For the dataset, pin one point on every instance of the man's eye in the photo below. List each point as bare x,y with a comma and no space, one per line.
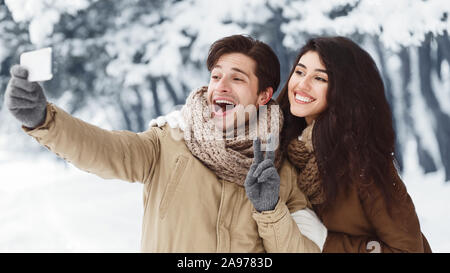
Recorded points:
214,77
237,79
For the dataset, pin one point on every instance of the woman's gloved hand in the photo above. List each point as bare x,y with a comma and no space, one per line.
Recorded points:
262,184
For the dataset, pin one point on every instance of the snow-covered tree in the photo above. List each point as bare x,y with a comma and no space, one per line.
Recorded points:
137,59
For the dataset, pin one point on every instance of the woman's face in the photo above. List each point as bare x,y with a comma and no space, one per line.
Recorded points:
308,87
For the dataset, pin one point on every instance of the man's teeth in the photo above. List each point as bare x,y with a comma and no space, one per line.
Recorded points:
304,99
224,102
221,106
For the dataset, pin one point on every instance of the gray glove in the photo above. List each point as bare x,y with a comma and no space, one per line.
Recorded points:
262,184
24,99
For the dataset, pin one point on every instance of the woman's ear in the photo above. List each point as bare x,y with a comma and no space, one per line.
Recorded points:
265,96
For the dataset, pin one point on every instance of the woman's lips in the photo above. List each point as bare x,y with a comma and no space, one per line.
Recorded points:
303,98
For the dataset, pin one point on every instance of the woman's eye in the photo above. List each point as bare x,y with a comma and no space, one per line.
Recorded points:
237,79
214,77
299,72
321,79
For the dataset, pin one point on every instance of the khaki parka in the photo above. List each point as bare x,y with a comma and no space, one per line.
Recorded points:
186,207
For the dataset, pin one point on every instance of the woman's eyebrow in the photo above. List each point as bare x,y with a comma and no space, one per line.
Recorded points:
319,70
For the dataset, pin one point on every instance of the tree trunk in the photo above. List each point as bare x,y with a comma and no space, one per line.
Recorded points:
137,109
443,42
156,106
442,130
274,38
389,96
171,91
425,159
125,114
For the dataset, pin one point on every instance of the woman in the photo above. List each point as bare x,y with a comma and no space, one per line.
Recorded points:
339,133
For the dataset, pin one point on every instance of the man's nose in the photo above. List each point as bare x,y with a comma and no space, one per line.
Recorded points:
223,85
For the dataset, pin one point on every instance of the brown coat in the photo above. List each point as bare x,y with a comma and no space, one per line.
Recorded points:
187,208
359,222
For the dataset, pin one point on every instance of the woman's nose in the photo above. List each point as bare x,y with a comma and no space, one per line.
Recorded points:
304,83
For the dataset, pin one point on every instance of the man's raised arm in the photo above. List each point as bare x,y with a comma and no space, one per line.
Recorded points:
110,154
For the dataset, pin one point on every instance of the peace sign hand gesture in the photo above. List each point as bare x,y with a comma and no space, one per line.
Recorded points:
262,184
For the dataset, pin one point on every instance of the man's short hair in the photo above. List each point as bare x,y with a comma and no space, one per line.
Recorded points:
267,64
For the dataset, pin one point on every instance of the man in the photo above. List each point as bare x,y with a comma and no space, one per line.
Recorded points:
197,194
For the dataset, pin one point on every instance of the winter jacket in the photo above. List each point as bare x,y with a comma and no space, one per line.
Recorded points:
186,207
358,221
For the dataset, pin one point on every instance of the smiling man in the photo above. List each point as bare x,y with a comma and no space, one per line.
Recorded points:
194,194
234,85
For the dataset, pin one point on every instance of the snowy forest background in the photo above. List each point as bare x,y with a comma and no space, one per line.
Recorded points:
118,64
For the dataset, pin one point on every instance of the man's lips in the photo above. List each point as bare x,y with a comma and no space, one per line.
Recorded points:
224,100
222,106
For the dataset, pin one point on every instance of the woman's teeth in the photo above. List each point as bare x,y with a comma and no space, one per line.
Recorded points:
303,99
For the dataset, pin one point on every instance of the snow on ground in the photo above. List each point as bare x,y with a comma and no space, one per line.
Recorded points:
430,195
431,199
50,206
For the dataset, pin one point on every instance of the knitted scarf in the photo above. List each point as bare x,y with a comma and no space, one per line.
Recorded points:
228,157
301,154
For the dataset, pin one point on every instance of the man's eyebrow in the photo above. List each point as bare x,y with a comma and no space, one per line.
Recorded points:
319,70
235,69
240,71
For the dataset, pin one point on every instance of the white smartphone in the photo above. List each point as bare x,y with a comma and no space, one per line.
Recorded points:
38,63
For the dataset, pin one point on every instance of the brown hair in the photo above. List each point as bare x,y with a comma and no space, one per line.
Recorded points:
267,64
353,138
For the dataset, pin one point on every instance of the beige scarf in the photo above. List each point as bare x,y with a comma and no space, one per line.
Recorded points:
301,154
229,158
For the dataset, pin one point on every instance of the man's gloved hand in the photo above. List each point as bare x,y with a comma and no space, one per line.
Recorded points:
262,184
24,99
174,119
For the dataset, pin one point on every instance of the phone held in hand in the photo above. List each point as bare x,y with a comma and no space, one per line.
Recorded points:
38,63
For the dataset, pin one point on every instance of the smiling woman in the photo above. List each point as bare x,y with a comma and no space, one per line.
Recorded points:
308,87
339,134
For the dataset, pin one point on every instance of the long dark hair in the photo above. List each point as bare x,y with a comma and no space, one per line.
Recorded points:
353,138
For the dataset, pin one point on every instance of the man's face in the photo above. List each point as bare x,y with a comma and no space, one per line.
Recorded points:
232,87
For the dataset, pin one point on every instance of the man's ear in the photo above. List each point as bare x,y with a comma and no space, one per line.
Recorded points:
264,96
